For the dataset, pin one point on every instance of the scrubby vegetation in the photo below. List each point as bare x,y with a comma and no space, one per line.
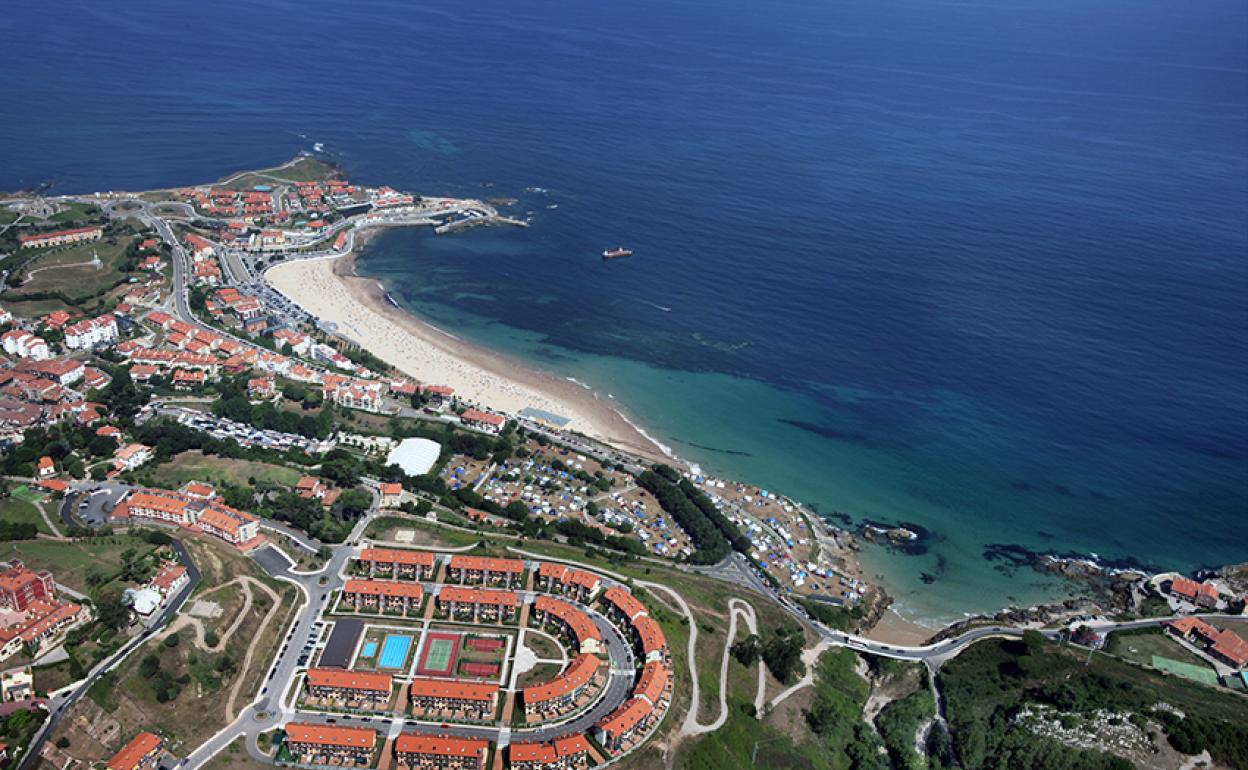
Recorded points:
986,686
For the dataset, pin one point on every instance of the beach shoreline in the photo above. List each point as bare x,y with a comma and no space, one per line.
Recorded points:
363,312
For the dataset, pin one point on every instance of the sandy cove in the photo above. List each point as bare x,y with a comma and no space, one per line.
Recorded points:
327,289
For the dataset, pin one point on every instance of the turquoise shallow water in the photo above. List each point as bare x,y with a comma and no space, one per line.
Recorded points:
976,266
961,484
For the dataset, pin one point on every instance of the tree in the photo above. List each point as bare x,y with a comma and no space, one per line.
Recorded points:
1033,640
354,503
112,611
516,510
122,396
747,650
783,652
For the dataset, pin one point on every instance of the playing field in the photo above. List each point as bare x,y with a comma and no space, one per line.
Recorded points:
23,492
1204,675
438,657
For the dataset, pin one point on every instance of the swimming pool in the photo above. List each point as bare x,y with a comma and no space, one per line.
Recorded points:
370,649
394,651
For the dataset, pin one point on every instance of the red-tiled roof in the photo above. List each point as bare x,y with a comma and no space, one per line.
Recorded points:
576,675
625,717
133,752
397,556
349,680
582,626
486,564
653,681
477,596
327,735
384,588
1229,645
624,601
541,753
45,236
443,688
650,634
434,745
476,415
571,745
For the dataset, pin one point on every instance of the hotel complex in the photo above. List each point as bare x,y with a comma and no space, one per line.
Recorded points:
448,666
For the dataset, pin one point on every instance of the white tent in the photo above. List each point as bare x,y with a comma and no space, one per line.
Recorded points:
415,455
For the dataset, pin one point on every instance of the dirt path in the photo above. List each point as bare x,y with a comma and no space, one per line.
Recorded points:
251,648
737,608
810,657
185,621
266,173
56,533
48,519
248,583
96,263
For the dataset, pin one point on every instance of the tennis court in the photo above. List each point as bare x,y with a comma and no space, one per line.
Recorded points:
438,658
479,670
1186,670
394,651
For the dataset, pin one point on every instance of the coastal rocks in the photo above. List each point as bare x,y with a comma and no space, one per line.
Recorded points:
904,537
877,601
1067,564
1111,582
1015,616
1234,577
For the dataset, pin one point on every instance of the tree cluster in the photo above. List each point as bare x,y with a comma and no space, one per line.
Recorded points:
705,532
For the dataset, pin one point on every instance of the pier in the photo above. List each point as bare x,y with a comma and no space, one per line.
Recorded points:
474,221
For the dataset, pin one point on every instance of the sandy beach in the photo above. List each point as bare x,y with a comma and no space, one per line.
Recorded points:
894,629
327,289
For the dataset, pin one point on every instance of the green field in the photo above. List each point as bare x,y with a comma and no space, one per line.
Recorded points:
542,672
1144,647
195,466
17,511
303,169
71,562
77,211
1202,674
34,308
25,493
66,269
427,533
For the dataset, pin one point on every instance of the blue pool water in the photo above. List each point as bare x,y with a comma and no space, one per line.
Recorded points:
394,651
370,649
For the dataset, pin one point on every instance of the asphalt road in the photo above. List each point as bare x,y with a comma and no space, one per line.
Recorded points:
60,704
268,712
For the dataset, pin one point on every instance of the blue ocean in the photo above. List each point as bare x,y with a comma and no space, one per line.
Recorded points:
977,266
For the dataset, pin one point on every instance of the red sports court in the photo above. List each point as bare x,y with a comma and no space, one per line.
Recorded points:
438,656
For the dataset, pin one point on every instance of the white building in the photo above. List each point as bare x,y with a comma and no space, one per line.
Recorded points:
25,345
132,456
91,332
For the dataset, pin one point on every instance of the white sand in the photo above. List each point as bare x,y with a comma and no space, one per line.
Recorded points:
324,288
